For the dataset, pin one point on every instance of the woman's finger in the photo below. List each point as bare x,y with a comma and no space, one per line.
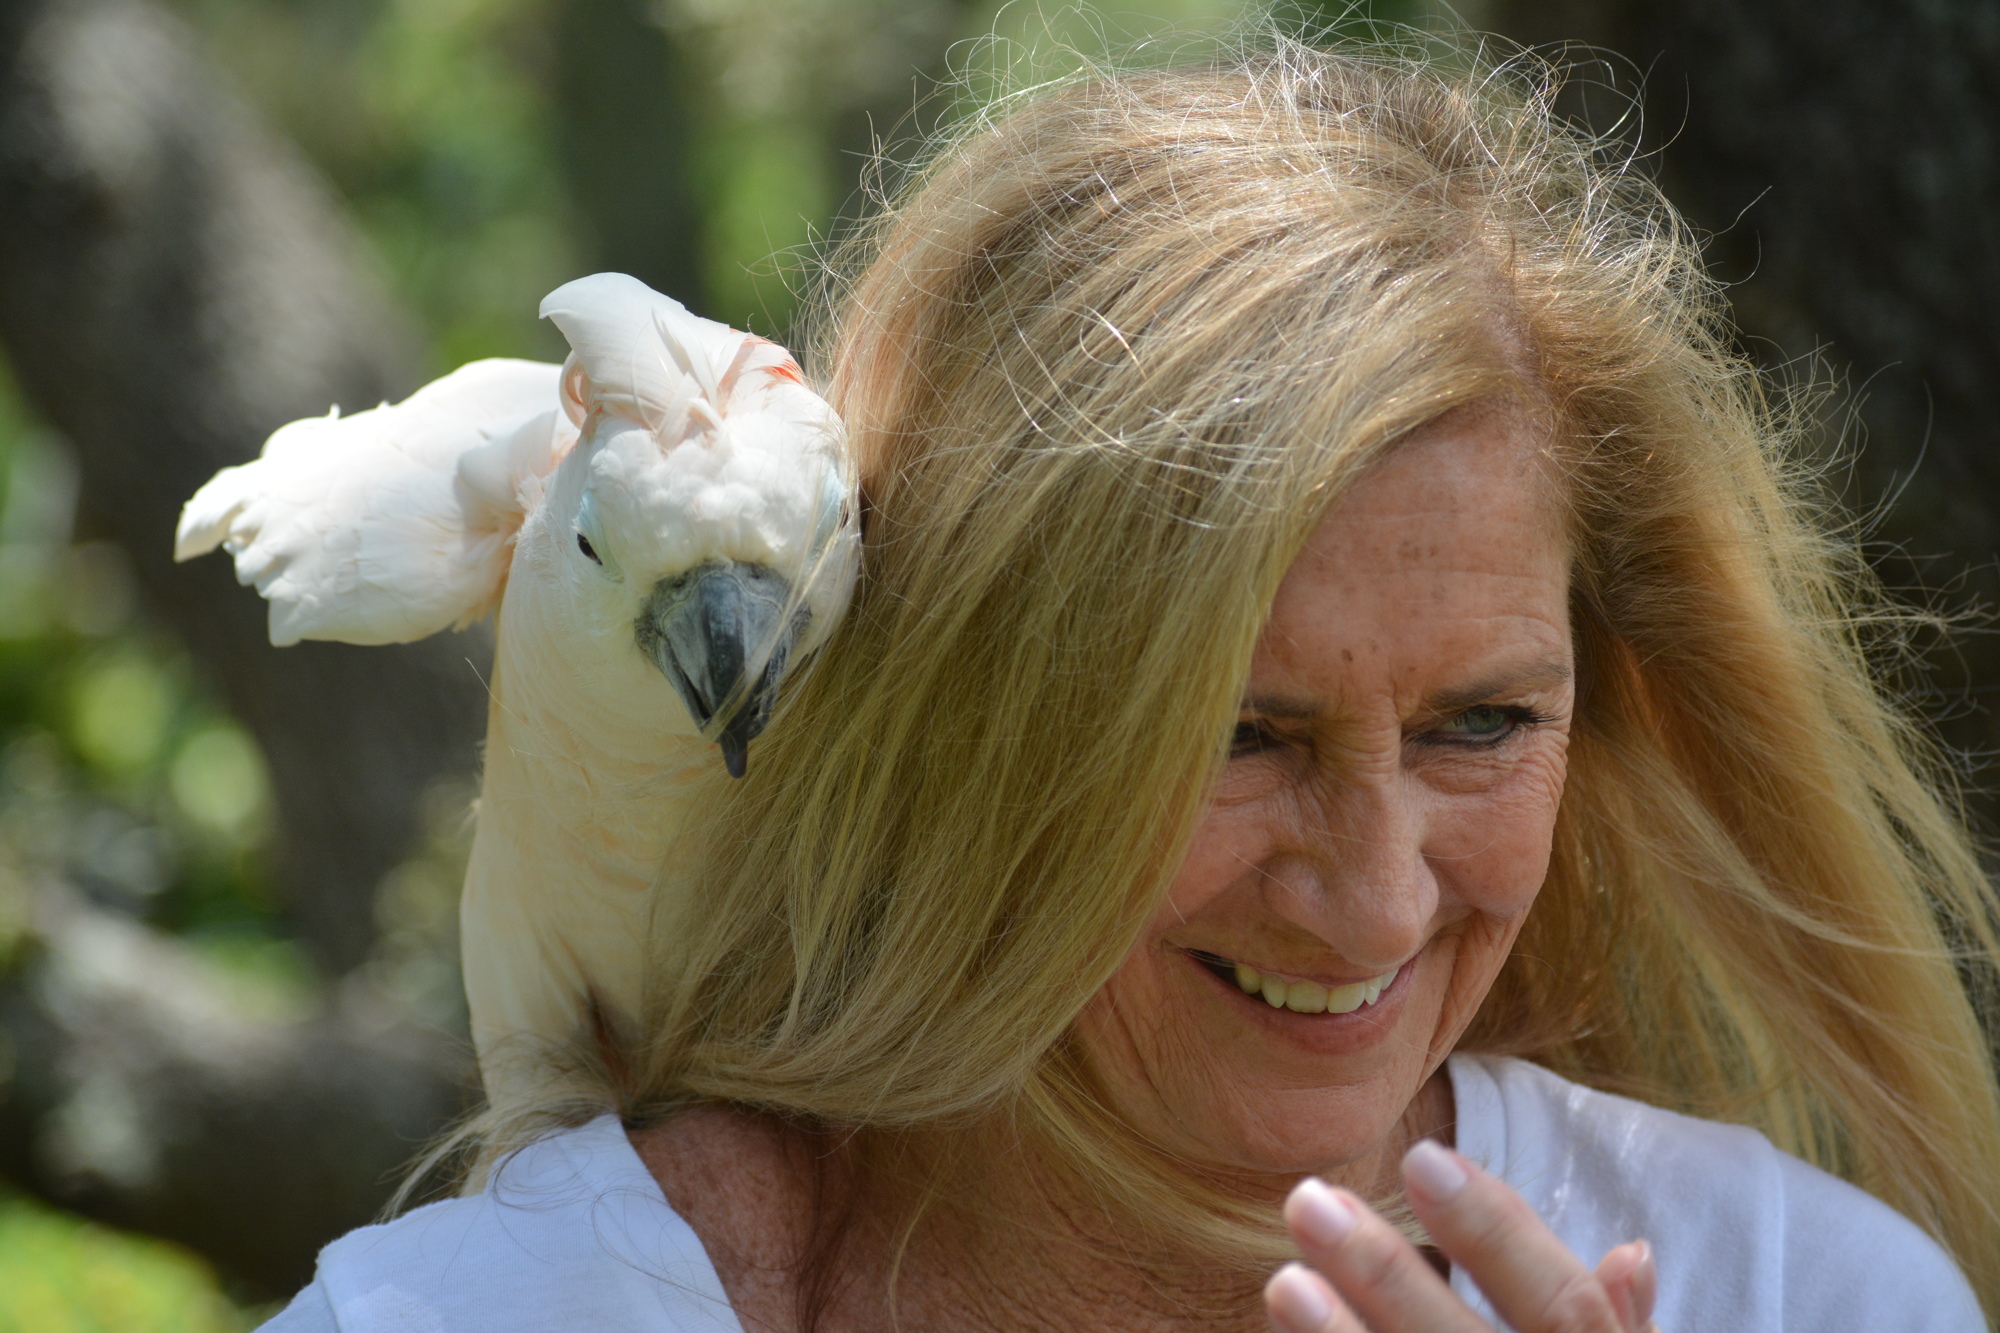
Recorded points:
1299,1301
1533,1280
1374,1269
1646,1283
1631,1281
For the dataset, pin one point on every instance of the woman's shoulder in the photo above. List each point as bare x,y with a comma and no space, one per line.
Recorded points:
573,1232
1746,1236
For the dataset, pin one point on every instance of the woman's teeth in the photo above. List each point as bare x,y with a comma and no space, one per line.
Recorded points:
1309,997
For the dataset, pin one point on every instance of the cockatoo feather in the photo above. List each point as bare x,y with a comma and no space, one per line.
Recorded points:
391,524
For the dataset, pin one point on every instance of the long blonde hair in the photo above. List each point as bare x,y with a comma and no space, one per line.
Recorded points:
1108,361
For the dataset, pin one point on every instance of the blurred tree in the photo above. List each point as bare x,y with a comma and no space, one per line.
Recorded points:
174,285
623,102
1844,158
786,100
432,122
145,1094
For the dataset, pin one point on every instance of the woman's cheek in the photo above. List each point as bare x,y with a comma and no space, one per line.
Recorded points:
1495,852
1230,837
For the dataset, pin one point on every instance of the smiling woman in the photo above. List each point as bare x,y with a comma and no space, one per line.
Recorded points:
1343,683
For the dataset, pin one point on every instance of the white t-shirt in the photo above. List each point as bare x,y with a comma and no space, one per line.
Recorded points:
574,1235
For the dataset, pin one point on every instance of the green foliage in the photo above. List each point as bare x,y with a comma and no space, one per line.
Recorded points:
116,769
494,148
768,196
431,119
59,1274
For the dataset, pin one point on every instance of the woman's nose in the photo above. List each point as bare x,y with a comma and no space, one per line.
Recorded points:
1358,877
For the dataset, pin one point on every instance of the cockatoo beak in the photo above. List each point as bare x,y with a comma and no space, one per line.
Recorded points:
704,627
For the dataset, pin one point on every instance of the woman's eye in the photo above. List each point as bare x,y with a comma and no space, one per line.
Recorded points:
1480,722
1488,722
583,545
1249,738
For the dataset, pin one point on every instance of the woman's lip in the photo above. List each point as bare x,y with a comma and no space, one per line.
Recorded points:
1323,1035
1200,955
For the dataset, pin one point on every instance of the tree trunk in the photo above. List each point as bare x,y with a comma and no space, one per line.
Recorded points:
138,1092
625,125
174,285
1844,156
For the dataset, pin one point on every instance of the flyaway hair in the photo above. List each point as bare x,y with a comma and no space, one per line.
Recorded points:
1105,364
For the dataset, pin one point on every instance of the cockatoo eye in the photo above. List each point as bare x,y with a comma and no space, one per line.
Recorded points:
583,545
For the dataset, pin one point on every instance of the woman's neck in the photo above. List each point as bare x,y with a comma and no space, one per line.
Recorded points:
1019,1247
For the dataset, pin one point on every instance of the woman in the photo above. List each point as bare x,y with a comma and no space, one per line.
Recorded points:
1335,619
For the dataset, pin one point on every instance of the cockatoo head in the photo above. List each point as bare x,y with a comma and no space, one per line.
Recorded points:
701,530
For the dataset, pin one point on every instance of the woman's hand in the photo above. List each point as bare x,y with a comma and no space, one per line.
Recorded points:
1365,1277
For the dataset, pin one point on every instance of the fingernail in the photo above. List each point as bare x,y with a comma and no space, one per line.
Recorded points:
1435,1170
1615,1272
1646,1281
1296,1301
1618,1263
1321,1214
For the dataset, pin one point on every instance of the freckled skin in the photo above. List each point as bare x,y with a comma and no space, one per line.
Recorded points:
1393,823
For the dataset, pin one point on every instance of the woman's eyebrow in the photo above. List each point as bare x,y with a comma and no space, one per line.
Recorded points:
1290,708
1533,676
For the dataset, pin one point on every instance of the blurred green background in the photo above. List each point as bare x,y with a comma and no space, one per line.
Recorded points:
1842,155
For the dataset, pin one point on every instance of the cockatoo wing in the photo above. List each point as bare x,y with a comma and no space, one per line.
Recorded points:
391,524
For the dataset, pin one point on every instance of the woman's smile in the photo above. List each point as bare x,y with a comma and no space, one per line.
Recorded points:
1301,995
1311,1017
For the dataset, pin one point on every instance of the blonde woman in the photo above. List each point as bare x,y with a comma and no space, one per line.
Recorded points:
1345,685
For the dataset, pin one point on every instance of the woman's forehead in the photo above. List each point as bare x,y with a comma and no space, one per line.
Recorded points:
1448,558
1482,482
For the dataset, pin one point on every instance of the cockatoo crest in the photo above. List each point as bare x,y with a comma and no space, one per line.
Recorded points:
705,443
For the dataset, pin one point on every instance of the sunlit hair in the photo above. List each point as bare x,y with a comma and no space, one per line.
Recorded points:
1108,361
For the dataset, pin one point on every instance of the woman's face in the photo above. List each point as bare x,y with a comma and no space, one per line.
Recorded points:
1384,820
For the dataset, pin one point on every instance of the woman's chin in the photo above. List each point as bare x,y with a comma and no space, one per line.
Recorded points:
1266,1147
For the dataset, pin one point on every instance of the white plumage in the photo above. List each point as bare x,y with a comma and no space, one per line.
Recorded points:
389,525
665,522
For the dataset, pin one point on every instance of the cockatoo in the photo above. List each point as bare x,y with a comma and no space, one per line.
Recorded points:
665,523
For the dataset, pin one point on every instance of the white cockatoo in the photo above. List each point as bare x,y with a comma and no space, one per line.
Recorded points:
665,522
